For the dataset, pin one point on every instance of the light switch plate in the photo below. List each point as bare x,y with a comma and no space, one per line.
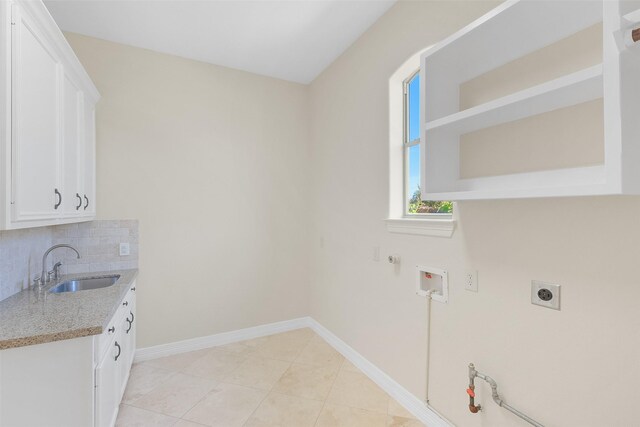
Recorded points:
124,249
376,254
545,294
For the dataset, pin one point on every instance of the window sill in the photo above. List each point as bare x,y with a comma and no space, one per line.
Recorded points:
422,226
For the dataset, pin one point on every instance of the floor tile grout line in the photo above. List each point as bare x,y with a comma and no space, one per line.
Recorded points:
218,382
196,404
193,422
172,416
268,391
172,373
275,383
253,352
181,371
324,404
148,410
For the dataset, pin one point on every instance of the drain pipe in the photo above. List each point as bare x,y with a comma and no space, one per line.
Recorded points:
426,399
494,394
429,292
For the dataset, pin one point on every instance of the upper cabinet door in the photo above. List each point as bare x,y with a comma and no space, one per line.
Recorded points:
89,160
72,149
36,122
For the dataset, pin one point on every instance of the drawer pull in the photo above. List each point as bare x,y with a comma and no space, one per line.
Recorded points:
111,329
119,350
126,303
133,289
130,325
132,316
59,202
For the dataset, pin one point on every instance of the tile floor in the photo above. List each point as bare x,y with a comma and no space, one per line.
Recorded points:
291,379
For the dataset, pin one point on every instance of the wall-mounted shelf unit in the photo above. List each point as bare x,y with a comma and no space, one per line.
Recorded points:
509,33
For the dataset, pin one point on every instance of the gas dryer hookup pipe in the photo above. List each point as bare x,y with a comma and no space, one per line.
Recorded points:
473,374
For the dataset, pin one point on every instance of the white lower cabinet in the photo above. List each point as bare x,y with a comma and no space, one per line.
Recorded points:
112,373
116,358
71,383
106,385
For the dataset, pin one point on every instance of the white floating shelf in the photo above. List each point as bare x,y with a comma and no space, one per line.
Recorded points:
583,181
513,30
572,89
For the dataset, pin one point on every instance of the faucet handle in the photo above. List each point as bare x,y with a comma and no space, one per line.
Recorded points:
56,270
50,274
37,281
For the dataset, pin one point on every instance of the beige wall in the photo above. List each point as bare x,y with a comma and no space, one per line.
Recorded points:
212,162
572,368
240,205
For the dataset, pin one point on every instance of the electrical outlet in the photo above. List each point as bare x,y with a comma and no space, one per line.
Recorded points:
471,280
545,294
124,249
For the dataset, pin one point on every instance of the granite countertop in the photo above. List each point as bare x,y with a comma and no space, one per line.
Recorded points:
39,316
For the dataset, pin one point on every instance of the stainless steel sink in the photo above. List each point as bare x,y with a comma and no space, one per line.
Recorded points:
85,283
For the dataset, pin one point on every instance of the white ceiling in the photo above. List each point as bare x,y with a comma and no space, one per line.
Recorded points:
289,39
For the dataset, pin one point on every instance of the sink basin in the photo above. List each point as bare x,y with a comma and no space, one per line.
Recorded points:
84,284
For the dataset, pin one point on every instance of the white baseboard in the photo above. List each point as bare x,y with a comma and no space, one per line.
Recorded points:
199,343
411,403
414,405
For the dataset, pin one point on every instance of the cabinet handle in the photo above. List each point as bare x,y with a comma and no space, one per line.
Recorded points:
86,204
79,201
130,325
126,303
111,329
119,350
57,193
132,316
133,289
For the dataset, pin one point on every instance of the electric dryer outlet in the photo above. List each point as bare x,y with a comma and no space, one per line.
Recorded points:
545,294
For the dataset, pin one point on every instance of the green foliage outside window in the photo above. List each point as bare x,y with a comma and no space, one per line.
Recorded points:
423,206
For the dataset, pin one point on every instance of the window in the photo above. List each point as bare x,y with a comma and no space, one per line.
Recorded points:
411,143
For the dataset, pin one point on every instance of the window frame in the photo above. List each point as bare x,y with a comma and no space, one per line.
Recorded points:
406,147
406,144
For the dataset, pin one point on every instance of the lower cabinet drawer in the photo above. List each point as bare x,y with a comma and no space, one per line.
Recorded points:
105,339
116,350
125,310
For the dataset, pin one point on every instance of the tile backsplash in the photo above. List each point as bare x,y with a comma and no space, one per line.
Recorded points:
21,257
97,241
99,245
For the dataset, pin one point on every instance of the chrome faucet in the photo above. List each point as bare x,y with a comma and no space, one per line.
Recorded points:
44,277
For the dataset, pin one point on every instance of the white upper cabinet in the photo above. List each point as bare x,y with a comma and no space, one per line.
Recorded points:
47,123
35,119
72,148
534,99
89,161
